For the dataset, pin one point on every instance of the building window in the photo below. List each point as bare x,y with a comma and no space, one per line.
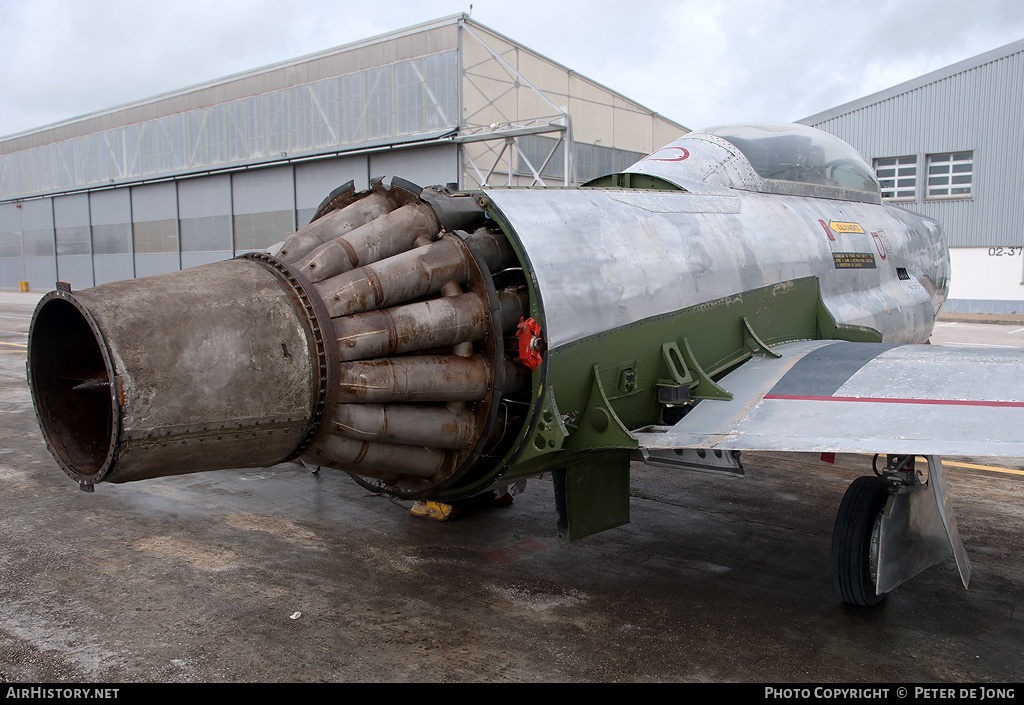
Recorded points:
591,160
898,178
951,175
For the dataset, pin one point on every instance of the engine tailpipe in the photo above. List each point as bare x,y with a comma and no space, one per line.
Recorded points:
163,375
372,342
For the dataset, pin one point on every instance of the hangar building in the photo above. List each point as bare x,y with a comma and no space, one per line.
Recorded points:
236,164
949,145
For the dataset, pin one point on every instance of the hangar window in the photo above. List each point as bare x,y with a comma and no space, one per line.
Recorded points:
898,177
951,175
591,160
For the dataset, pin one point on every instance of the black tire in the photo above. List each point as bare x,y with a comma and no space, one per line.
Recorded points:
853,570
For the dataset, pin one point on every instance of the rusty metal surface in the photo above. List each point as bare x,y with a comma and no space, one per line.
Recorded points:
80,430
335,224
383,237
436,426
391,460
415,379
406,276
417,321
323,348
514,304
419,326
494,251
197,390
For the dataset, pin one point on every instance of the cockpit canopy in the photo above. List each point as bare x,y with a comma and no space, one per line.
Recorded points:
766,157
799,153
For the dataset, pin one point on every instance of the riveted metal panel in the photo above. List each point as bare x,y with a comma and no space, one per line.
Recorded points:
607,258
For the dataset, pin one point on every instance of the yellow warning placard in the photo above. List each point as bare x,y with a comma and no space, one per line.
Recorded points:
842,227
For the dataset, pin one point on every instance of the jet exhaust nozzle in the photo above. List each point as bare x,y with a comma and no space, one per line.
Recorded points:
392,368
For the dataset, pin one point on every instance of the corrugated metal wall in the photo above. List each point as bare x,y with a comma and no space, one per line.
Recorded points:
100,236
374,106
373,53
979,109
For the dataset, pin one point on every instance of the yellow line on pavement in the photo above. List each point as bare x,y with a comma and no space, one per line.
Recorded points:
991,468
970,466
15,345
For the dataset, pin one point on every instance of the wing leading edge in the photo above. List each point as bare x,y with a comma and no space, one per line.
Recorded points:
863,398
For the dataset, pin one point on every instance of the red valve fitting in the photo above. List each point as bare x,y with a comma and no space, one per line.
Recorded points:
530,343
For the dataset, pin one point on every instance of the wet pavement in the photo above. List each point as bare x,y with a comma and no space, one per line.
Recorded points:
282,574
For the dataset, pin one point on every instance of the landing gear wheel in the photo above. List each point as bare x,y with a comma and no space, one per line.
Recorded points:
855,541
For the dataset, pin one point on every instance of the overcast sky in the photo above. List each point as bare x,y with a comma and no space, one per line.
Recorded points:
698,62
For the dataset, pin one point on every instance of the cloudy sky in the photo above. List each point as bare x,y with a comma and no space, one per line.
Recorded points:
698,62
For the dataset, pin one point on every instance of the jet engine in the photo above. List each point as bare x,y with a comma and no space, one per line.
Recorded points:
373,340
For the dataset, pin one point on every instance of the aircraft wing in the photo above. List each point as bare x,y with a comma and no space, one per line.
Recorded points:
863,398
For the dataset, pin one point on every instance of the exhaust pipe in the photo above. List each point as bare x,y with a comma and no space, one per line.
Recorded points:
372,342
142,378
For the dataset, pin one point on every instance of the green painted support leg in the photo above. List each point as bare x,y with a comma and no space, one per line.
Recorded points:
592,495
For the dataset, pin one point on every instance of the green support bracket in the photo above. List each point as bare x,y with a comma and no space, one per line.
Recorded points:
706,388
671,355
677,389
599,425
753,341
550,432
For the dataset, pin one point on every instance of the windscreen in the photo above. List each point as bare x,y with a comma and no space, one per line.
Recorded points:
801,154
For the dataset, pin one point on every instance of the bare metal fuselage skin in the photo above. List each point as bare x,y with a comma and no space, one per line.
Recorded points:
605,258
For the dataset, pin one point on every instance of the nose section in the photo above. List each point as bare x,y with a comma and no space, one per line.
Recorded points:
937,266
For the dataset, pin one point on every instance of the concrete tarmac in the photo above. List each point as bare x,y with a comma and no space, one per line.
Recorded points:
282,574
